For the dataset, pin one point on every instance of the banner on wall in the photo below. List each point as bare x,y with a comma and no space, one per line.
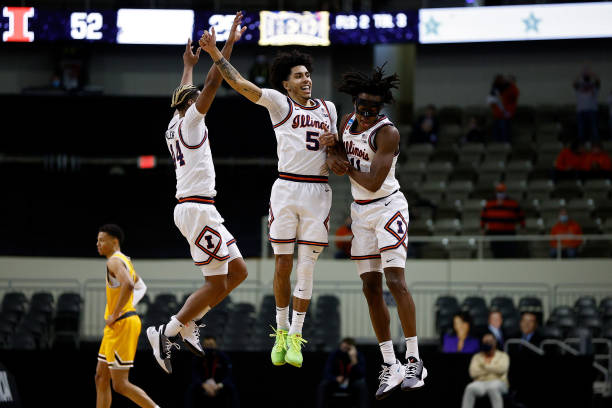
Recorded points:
515,23
292,28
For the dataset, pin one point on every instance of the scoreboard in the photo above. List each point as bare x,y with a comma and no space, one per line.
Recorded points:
157,26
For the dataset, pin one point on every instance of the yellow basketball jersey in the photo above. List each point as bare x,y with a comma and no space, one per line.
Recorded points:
113,288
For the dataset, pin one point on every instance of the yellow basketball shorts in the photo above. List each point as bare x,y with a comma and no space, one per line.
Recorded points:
119,343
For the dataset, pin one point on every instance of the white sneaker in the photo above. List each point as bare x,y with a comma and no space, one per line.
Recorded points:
415,375
190,334
390,377
162,347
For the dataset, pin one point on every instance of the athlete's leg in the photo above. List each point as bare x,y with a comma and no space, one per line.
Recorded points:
307,257
103,386
405,305
379,313
123,386
282,279
214,286
236,274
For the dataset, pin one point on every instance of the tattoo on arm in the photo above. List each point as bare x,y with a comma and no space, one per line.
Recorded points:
227,70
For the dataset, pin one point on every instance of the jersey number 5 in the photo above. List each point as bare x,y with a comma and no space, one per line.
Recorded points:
312,143
179,155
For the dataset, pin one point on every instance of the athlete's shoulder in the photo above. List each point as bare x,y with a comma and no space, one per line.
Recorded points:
174,121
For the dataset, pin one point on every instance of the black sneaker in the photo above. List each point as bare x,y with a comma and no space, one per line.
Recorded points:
390,377
162,347
415,374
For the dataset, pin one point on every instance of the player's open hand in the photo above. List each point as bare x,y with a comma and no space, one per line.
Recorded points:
236,32
208,41
189,57
327,139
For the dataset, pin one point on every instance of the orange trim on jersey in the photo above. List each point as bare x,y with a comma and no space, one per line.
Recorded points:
371,141
188,146
302,178
327,109
383,117
288,114
362,257
282,241
363,202
230,242
317,104
196,199
302,242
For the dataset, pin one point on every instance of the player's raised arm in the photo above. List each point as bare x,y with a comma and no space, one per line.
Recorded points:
387,140
244,87
190,59
214,78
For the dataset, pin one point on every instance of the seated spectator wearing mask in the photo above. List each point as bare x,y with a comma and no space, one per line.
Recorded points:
489,370
565,226
460,341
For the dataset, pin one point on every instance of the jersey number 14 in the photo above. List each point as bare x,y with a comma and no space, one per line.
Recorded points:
179,155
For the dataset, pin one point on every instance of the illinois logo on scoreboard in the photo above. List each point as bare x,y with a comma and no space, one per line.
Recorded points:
287,27
18,23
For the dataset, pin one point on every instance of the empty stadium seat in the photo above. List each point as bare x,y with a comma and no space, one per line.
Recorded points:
499,302
585,302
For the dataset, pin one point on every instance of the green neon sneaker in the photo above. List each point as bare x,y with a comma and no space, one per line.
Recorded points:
280,347
294,350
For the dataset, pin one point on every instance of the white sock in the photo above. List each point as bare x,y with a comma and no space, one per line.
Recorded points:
297,321
282,317
173,327
386,348
412,347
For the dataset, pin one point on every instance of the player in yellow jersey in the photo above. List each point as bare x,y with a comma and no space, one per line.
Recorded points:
124,289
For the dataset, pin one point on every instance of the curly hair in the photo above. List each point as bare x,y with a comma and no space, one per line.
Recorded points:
355,82
282,64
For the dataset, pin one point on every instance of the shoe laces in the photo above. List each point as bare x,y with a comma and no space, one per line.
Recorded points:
385,374
296,341
281,337
168,345
196,330
411,369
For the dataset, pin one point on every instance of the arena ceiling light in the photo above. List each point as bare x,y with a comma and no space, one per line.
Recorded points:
515,23
154,26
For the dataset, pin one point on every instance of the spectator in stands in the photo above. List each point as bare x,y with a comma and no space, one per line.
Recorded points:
596,163
587,86
211,383
565,226
489,370
344,247
503,100
426,127
568,163
501,216
460,341
344,371
529,328
495,326
474,133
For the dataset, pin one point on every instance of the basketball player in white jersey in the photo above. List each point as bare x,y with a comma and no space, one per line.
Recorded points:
212,247
301,198
367,152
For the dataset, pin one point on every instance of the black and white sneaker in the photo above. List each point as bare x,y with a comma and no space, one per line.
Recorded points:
190,334
415,374
162,347
390,377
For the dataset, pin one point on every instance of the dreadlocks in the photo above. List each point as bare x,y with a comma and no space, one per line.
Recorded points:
282,64
353,83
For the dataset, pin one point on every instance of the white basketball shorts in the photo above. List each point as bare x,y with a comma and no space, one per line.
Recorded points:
380,233
299,212
211,244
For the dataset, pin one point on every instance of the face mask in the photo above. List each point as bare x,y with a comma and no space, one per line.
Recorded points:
486,347
501,196
563,218
372,108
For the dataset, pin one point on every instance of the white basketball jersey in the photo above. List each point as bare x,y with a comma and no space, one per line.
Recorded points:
360,149
195,173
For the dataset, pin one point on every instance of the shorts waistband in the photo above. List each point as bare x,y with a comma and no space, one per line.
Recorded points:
196,199
364,202
302,178
126,315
